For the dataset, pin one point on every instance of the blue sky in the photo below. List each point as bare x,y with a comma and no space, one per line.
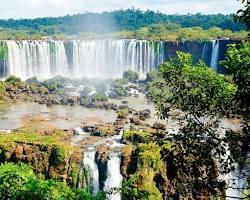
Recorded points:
40,8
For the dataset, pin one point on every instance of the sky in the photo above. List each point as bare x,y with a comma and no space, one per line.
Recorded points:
45,8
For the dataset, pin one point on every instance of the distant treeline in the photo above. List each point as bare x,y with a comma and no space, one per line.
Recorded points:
120,20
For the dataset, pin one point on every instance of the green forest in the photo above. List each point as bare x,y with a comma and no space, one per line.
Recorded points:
130,23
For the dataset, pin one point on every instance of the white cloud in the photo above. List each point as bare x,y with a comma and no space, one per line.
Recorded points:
41,8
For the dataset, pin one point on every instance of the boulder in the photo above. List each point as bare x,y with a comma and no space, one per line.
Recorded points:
124,102
135,120
144,114
89,129
159,126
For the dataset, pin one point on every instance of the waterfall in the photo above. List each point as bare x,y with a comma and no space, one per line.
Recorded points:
43,59
90,163
114,177
91,58
215,55
78,59
204,51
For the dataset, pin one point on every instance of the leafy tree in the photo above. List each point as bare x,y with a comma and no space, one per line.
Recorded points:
197,90
13,179
204,96
237,64
243,15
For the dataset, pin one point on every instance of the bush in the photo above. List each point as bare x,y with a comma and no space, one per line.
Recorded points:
32,80
131,76
123,113
55,83
99,97
105,131
137,136
13,80
118,87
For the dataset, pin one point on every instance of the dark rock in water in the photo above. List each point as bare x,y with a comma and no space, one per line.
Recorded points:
64,101
124,102
135,121
56,101
110,106
102,163
89,129
144,114
113,95
121,107
159,126
72,100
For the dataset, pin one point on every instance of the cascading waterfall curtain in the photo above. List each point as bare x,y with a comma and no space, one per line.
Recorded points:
88,58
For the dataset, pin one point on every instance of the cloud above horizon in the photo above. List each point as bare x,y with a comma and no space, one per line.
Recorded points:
45,8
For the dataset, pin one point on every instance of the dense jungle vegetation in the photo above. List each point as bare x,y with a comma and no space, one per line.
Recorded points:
131,23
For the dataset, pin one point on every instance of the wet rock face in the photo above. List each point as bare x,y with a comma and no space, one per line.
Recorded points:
128,162
41,158
102,163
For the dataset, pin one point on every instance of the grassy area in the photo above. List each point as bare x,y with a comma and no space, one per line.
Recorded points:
31,136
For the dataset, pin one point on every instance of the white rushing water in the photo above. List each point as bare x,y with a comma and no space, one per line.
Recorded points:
78,59
90,163
215,55
114,177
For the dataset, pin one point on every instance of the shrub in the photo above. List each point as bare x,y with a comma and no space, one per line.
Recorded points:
118,87
32,80
137,136
55,83
123,113
100,97
13,80
105,131
131,76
